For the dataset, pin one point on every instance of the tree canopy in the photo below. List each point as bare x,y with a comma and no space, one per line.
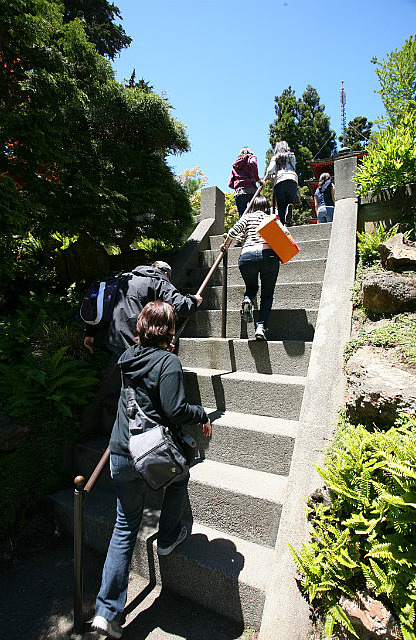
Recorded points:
391,160
81,153
305,127
397,77
98,17
357,134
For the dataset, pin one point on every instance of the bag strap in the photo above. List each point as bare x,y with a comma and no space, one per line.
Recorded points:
249,177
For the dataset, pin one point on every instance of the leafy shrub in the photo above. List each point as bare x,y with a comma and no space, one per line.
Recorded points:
368,532
42,385
367,243
44,381
391,162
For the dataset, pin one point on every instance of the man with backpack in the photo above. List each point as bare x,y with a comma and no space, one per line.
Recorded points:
111,323
134,290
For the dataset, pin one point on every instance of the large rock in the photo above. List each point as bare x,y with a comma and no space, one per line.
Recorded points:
397,253
388,292
377,390
371,618
82,259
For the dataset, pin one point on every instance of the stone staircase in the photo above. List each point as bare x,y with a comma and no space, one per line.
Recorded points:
253,392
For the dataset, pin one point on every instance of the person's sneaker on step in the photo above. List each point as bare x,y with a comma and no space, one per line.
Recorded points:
110,628
165,551
247,310
289,214
260,333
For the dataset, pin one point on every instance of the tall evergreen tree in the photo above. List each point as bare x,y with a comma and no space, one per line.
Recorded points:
98,16
305,127
357,134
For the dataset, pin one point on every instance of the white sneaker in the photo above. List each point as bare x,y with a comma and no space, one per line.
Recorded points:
109,628
260,333
247,310
165,551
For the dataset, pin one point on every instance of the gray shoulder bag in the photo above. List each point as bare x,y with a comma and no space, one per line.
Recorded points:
156,456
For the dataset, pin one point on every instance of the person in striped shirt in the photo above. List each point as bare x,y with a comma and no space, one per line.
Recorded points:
256,259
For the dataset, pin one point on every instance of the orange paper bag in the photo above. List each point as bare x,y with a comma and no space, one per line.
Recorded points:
278,238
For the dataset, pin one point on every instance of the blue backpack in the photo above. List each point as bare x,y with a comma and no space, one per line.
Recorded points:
98,303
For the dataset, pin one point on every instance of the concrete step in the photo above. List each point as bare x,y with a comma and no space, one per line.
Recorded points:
309,249
236,500
286,296
292,271
246,355
244,440
299,233
228,496
284,324
274,395
222,572
249,441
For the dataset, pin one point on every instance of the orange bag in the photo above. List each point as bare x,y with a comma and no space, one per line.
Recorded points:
278,238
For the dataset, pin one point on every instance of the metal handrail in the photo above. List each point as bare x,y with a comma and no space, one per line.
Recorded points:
201,289
82,490
81,493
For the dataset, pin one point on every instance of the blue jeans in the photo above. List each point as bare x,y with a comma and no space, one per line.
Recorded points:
284,193
130,491
326,215
266,264
241,202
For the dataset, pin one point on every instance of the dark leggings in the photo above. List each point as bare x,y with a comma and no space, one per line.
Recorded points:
284,193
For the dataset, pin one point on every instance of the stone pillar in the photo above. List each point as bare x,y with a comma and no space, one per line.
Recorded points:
344,169
213,206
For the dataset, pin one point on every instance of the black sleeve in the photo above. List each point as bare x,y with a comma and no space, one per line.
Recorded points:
184,306
172,395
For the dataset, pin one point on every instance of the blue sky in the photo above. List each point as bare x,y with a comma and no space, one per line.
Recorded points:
222,62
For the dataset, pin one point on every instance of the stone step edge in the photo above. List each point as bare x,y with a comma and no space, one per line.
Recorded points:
194,319
283,266
292,228
258,559
307,240
254,422
245,376
240,287
261,485
258,484
280,284
269,342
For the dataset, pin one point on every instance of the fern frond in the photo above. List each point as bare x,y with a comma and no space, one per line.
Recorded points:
329,625
341,618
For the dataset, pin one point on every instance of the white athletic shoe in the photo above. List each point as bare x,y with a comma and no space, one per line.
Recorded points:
260,333
109,628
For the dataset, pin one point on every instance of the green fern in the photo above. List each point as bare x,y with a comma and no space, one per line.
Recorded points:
369,532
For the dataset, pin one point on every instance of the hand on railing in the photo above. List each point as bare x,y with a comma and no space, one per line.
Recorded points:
226,243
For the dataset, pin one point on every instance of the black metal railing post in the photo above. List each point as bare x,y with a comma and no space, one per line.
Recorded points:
78,553
224,295
81,493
